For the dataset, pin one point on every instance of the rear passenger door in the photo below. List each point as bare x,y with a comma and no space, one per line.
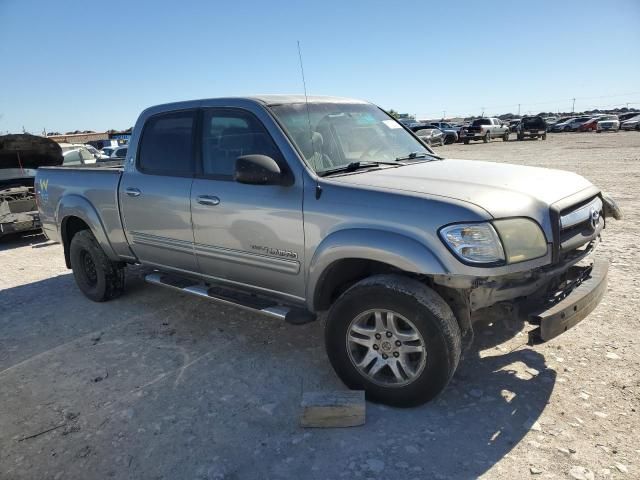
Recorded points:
155,197
245,234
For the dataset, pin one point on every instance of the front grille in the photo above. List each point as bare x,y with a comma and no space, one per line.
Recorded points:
579,225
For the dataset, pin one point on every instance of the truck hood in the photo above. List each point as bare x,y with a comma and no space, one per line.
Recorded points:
503,190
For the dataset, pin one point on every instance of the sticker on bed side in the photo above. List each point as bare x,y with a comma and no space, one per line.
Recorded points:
391,124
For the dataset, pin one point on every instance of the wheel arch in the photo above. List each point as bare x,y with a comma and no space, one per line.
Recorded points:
347,256
75,213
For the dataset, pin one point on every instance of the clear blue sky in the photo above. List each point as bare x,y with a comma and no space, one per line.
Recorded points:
70,65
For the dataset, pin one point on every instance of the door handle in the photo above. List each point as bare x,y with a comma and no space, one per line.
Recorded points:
208,200
133,192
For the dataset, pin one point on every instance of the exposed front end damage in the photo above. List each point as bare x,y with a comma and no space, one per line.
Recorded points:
555,297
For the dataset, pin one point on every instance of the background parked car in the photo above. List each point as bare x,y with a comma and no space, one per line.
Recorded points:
631,124
96,153
570,124
560,125
532,127
485,129
608,123
591,124
575,125
623,117
79,155
107,151
513,124
451,132
119,153
431,135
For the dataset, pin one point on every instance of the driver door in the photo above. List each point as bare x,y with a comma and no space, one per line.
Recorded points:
245,234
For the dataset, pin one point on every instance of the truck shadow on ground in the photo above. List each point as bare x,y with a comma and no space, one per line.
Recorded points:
251,372
15,240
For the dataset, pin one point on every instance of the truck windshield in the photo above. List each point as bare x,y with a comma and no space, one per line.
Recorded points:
334,135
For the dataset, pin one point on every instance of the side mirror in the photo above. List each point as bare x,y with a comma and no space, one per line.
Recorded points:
258,170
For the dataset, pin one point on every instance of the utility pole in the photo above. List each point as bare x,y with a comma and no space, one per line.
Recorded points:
573,107
482,111
444,114
518,109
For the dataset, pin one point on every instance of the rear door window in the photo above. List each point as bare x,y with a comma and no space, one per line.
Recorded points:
166,147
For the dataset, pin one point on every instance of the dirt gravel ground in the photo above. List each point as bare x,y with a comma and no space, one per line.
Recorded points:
158,385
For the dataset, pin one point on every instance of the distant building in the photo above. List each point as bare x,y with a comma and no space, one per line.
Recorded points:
79,137
98,140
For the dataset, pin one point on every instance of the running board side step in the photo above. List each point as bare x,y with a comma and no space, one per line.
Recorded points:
233,297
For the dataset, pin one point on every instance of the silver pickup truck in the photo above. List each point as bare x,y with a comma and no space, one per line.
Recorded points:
485,129
293,207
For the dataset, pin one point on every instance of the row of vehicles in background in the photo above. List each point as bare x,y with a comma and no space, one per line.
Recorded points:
436,133
597,123
85,154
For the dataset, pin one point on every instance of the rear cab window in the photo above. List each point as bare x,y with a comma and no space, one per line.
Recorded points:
166,146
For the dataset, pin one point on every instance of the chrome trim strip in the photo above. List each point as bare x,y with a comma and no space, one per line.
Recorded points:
580,215
147,239
282,265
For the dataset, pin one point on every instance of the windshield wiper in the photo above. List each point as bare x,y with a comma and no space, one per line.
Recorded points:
353,166
415,155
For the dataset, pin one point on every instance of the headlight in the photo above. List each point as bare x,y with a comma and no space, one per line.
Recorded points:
511,240
474,242
522,239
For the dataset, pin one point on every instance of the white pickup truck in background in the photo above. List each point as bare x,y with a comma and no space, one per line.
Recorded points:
485,129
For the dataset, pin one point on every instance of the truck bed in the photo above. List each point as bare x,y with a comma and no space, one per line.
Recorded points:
68,188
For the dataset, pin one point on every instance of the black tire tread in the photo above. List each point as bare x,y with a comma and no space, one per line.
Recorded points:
113,272
438,310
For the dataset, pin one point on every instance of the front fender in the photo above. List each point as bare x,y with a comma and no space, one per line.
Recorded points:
394,249
77,206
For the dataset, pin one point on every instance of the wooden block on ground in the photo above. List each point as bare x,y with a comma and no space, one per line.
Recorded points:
333,409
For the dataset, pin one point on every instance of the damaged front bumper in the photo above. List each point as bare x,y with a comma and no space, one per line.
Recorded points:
552,298
568,306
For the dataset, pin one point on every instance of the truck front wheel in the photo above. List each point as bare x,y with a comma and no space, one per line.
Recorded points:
487,137
395,338
99,278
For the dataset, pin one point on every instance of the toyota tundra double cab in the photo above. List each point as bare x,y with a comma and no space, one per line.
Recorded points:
329,208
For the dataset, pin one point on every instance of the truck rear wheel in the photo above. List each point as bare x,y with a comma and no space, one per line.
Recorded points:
395,338
505,137
99,278
487,137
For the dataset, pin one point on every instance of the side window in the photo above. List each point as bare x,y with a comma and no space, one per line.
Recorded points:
86,155
166,147
72,158
229,134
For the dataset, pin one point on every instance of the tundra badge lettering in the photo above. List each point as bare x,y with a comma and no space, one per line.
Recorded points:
275,251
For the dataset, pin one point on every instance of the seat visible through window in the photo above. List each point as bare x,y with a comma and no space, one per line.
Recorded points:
228,135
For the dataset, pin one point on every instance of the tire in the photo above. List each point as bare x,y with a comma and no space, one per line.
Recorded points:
413,305
520,137
544,136
487,137
466,142
505,137
99,278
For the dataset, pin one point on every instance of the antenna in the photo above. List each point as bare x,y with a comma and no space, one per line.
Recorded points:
306,99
